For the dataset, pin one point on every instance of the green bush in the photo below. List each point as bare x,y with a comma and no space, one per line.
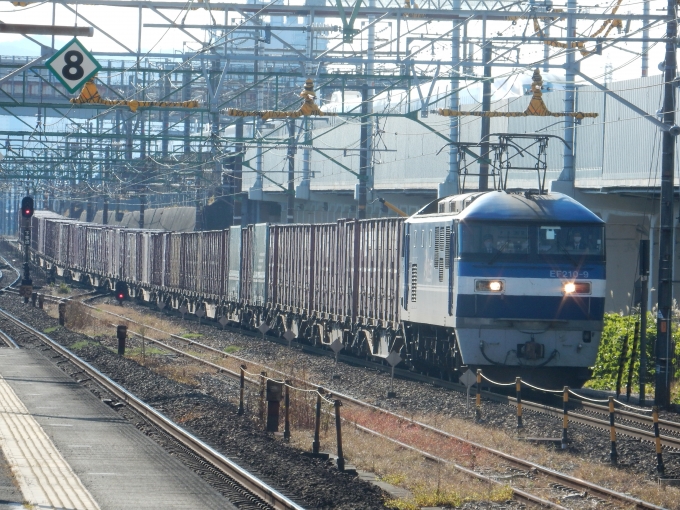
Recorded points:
616,328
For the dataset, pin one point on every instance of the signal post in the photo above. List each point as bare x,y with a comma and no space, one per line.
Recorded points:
26,214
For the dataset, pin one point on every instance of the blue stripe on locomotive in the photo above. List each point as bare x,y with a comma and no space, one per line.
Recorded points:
594,271
530,307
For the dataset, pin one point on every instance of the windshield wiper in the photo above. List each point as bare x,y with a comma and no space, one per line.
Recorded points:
498,253
563,249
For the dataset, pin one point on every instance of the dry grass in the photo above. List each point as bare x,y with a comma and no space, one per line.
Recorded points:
191,415
432,483
149,320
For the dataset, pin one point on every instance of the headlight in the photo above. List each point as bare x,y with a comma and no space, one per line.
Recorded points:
489,286
577,288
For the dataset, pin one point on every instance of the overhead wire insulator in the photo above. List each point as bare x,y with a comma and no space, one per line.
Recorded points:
308,108
90,95
536,108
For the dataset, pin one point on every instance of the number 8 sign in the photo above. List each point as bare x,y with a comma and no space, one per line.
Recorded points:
73,65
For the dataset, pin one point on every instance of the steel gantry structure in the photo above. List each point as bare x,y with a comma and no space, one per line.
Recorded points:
257,56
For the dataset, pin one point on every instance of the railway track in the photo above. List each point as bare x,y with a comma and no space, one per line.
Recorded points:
590,414
210,458
581,411
526,470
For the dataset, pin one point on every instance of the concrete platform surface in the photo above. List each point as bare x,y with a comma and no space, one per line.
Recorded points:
62,442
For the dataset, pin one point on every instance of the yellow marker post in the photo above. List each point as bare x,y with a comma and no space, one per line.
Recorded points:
565,416
613,456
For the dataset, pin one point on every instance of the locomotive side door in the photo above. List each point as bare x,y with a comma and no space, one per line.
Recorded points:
452,268
412,271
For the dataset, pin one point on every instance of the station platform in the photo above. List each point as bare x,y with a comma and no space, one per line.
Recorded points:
63,448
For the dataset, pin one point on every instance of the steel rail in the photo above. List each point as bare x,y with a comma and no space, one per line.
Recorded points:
6,262
530,498
567,480
265,492
8,340
668,441
522,495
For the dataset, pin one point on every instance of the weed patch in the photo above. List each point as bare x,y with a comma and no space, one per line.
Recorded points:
231,349
81,344
51,330
191,336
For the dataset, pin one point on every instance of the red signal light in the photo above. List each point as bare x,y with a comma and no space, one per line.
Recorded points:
121,296
27,207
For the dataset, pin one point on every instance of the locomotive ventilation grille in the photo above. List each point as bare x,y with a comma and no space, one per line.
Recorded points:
442,249
414,282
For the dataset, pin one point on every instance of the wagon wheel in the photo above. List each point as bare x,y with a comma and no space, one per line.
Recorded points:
315,339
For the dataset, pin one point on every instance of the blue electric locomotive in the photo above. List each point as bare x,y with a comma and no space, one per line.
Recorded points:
513,283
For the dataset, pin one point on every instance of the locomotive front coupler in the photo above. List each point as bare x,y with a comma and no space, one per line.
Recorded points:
531,350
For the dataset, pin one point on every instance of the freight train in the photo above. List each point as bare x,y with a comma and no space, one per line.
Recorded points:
513,283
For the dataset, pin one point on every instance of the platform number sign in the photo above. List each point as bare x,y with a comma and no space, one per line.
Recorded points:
73,65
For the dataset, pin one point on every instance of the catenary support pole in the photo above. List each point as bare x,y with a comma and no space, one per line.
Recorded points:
566,177
486,121
363,155
665,285
450,185
644,281
290,211
645,36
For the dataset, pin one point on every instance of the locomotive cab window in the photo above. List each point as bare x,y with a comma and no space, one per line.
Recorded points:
492,240
571,240
548,242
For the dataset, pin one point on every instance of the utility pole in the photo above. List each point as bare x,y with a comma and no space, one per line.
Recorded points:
645,36
486,121
142,208
363,154
665,285
644,279
567,176
450,185
26,214
238,174
290,214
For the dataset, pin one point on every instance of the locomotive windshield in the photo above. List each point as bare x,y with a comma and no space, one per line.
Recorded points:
514,241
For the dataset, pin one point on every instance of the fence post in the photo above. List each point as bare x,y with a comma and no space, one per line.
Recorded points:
62,313
286,426
478,401
338,430
41,301
263,384
613,456
241,409
317,422
518,388
274,397
660,468
34,298
121,334
565,416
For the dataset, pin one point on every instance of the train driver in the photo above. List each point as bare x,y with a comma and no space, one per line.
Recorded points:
488,244
577,244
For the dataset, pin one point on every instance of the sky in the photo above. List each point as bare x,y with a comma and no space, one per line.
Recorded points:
121,23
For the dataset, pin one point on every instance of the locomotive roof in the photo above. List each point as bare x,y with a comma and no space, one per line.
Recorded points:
505,206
